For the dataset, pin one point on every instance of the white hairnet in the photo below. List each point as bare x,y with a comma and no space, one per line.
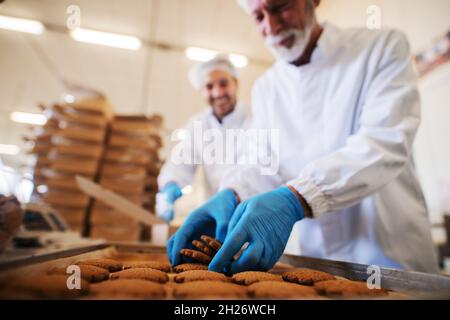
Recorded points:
244,4
199,73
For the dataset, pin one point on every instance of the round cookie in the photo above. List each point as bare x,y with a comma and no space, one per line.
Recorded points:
189,266
200,275
196,255
204,248
108,264
88,273
248,277
209,289
213,243
280,290
347,288
158,265
129,288
47,286
142,274
306,277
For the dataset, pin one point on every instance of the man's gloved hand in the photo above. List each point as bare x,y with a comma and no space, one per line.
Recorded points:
166,199
211,219
265,222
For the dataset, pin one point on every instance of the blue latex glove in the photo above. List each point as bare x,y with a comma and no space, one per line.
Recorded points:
173,192
166,199
265,222
211,219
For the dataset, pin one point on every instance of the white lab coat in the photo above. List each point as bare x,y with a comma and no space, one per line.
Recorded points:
183,174
347,122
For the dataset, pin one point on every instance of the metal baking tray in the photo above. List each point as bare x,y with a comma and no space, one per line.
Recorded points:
415,285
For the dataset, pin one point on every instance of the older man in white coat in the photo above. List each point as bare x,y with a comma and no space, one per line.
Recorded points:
347,109
217,82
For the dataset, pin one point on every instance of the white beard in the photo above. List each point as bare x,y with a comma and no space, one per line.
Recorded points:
301,39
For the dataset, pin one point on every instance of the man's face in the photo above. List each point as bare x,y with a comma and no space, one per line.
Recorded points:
285,25
220,91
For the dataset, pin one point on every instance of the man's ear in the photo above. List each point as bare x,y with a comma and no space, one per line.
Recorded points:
316,3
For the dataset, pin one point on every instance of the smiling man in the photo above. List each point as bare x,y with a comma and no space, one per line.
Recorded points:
217,81
347,108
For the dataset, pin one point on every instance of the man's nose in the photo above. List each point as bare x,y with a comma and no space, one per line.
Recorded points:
217,91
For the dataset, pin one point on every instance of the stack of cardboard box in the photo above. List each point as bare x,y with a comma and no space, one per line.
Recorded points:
129,167
70,143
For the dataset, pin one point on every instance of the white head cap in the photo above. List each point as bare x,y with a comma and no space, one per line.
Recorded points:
199,73
244,5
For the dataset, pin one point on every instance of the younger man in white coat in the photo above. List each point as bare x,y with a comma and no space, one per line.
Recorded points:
217,81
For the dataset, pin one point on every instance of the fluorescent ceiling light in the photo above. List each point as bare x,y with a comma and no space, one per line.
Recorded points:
28,118
238,60
9,149
106,39
200,54
21,25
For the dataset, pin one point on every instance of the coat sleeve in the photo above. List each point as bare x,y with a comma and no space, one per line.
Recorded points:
382,145
181,163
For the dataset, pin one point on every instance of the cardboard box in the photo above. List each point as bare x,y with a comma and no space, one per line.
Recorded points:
127,141
143,128
82,133
122,185
82,150
73,216
41,149
124,171
116,232
102,214
66,199
67,113
74,166
61,182
127,156
95,105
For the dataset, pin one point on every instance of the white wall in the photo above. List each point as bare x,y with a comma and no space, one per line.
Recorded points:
422,21
432,149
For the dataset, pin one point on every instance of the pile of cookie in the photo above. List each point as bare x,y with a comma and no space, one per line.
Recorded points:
207,249
125,277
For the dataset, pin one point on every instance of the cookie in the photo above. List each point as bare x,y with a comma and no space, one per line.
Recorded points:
128,288
209,289
306,277
108,264
347,288
200,275
196,255
213,243
189,266
248,277
280,290
142,274
47,286
204,248
87,272
158,265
